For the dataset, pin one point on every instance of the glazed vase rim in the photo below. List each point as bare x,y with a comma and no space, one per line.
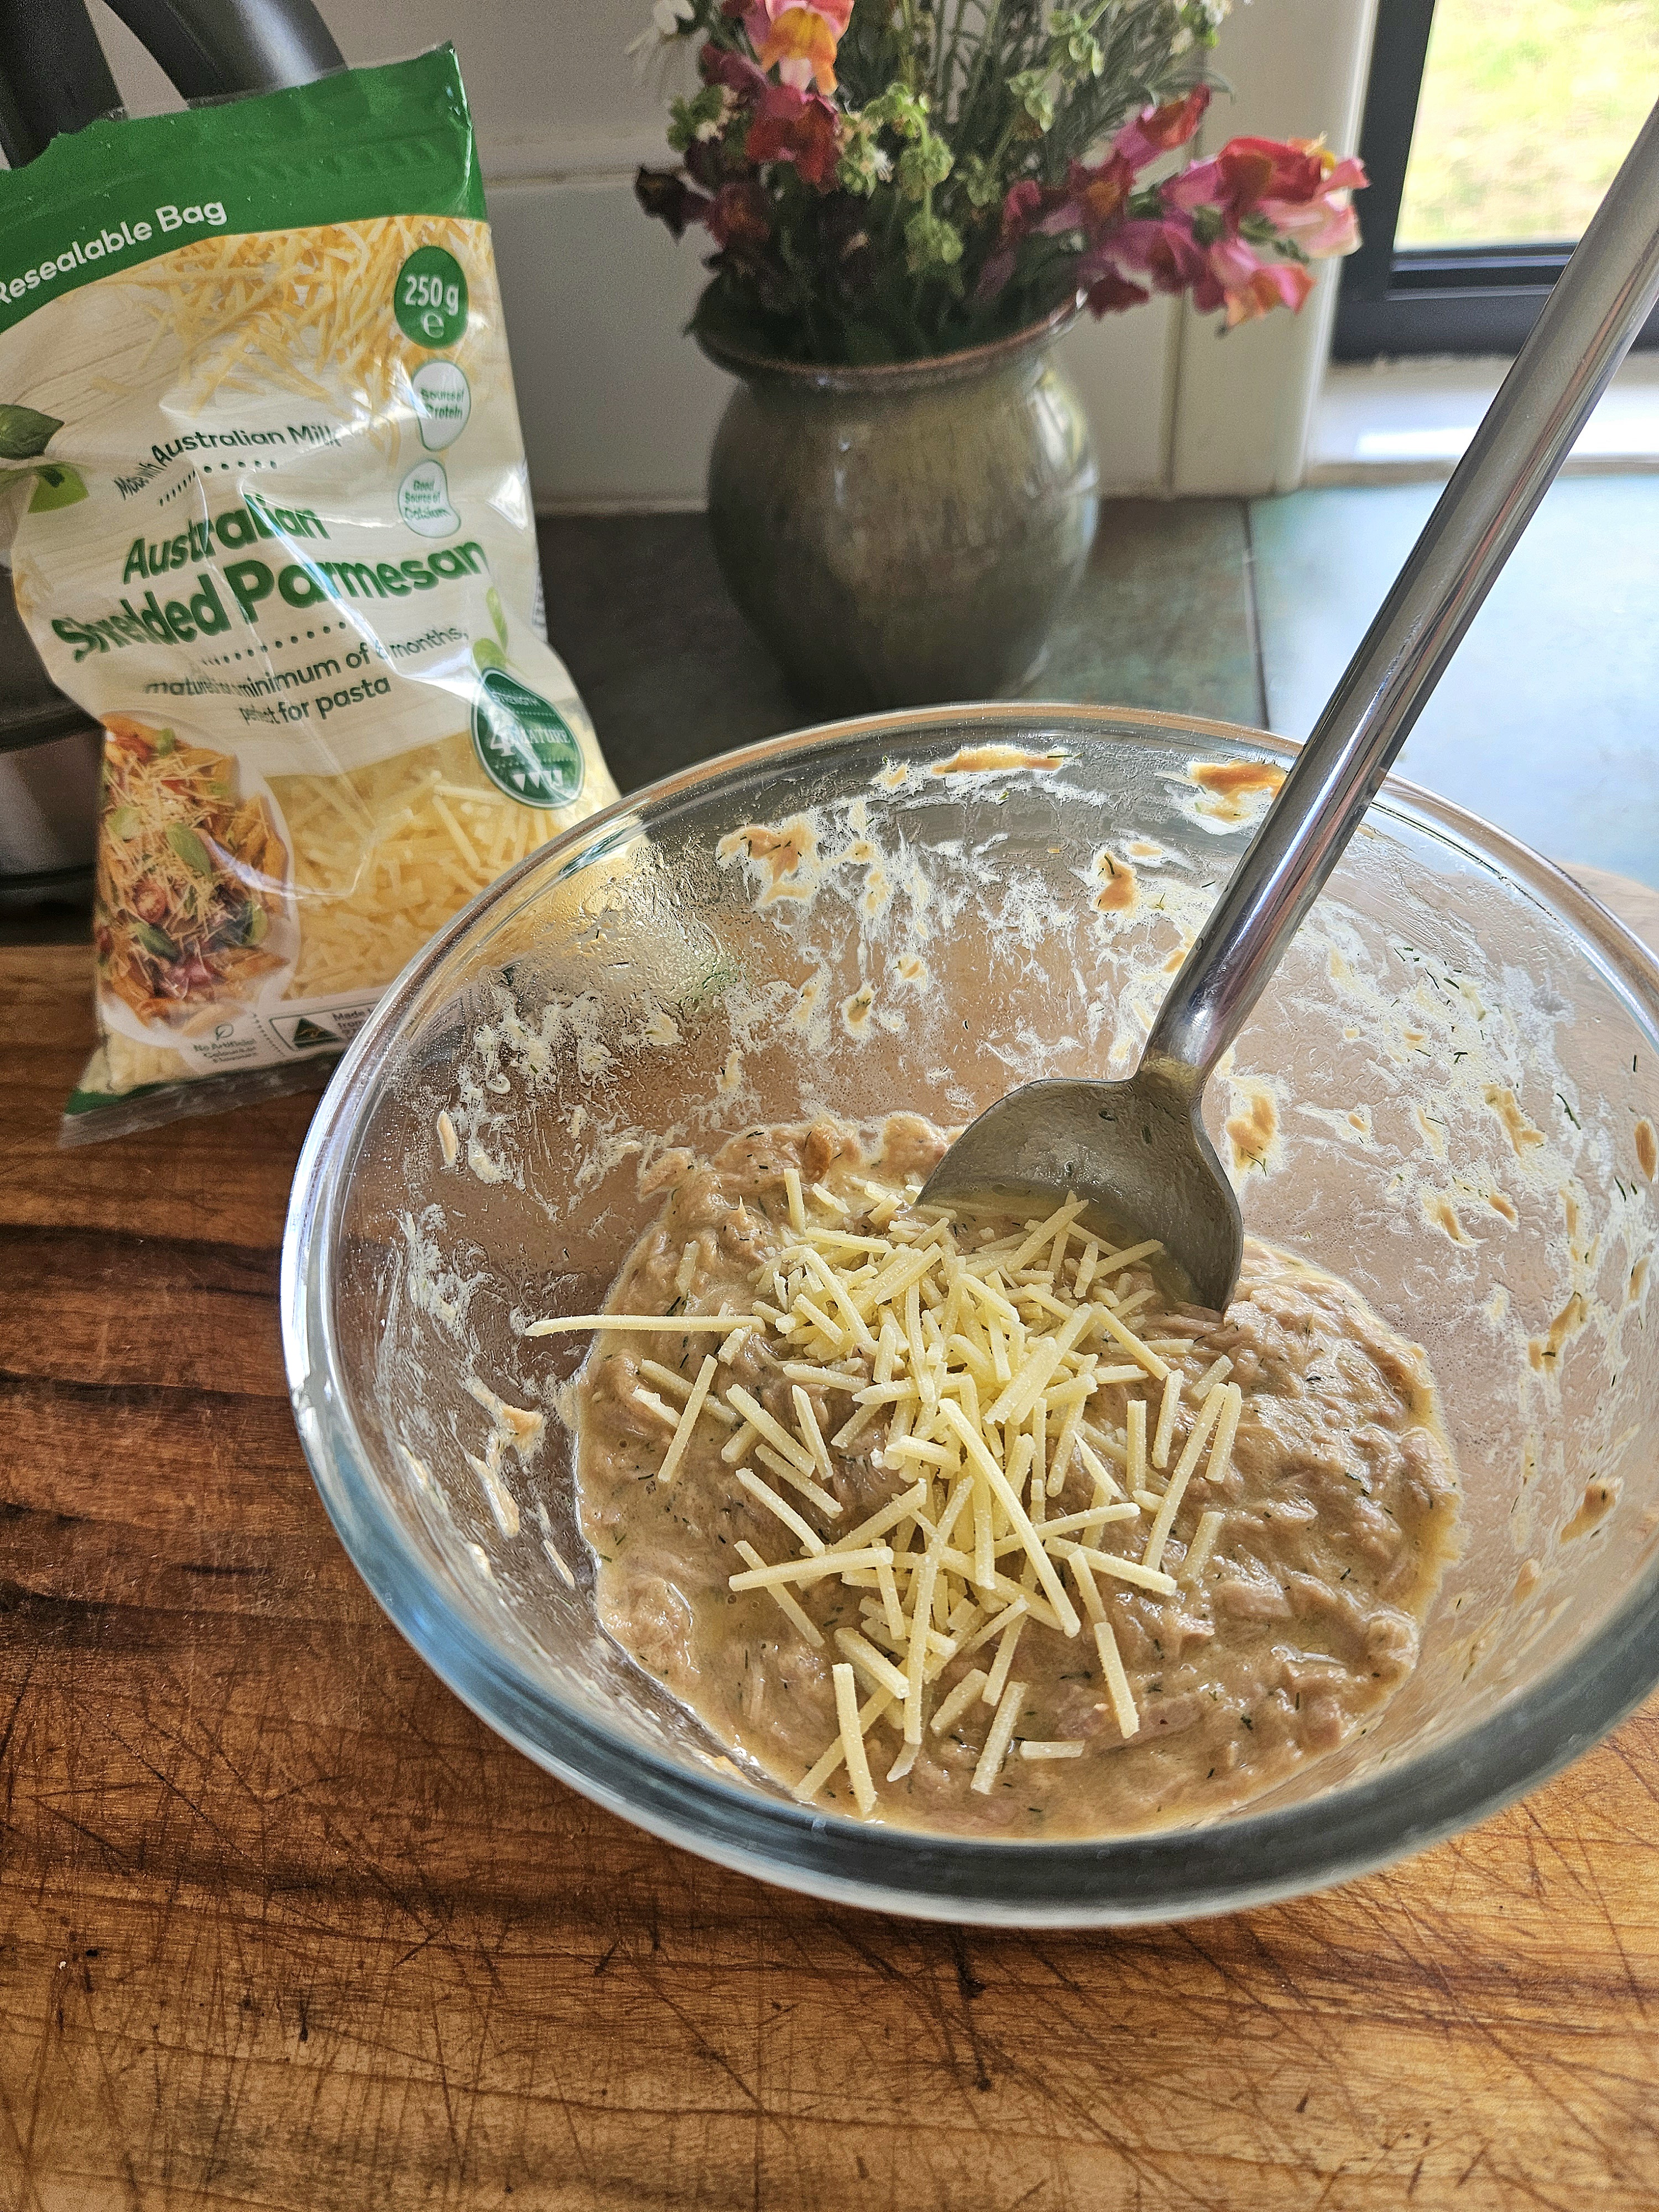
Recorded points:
914,374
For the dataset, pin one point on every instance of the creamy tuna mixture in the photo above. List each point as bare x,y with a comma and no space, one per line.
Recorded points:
1161,1555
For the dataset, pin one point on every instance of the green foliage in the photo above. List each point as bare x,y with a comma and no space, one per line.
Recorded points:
931,243
188,848
24,432
1034,99
1528,107
1076,52
697,120
924,165
981,182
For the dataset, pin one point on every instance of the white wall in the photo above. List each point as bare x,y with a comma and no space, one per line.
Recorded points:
1244,405
618,406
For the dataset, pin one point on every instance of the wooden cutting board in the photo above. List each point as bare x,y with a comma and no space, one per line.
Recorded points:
281,1925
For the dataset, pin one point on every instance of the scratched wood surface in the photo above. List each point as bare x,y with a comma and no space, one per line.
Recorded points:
282,1926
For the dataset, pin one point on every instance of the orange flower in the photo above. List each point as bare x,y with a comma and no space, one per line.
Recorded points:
1277,284
799,38
1101,193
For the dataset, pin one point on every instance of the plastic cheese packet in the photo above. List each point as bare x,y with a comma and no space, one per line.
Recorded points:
264,488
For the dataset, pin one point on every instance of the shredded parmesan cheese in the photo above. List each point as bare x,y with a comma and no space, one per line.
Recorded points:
1166,1418
865,1656
1004,1660
351,721
974,1367
1117,1682
738,1445
795,1613
657,1324
1019,1603
997,1740
951,1708
1127,1571
1136,1469
1148,1250
806,1422
812,1782
1199,1551
688,1421
1226,1434
902,1766
792,1187
802,1531
811,1569
774,1432
851,1740
381,859
1209,1413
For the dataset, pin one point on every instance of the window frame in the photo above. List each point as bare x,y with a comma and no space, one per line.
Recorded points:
1428,300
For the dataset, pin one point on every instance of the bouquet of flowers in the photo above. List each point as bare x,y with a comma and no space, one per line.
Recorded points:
885,180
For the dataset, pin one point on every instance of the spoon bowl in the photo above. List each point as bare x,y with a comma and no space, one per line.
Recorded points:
1137,1148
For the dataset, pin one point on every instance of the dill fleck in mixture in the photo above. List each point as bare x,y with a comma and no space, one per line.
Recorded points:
961,1519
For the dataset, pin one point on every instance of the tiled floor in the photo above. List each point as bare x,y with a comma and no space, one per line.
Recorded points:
1547,721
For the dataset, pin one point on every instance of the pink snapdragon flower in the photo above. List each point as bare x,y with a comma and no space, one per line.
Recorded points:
798,127
1092,200
1322,221
1297,185
1164,252
1248,286
799,38
1112,294
1100,193
1024,205
1158,131
786,124
1295,189
1236,230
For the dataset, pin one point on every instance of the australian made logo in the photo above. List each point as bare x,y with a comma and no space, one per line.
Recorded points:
528,749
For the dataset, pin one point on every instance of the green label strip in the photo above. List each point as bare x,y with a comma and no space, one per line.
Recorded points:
361,144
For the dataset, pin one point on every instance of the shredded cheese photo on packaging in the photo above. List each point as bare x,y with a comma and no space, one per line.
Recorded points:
967,1518
264,497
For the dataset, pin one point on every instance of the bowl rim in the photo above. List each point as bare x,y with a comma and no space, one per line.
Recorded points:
1161,1875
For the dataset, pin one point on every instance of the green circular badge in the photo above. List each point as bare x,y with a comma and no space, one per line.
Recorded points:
527,748
430,298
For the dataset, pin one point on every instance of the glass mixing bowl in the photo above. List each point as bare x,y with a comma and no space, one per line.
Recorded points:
1448,1094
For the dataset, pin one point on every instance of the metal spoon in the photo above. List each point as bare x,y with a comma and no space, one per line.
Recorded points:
1139,1147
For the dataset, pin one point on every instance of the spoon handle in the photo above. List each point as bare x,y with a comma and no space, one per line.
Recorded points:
1600,301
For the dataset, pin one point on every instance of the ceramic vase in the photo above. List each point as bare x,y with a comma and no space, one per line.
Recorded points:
909,534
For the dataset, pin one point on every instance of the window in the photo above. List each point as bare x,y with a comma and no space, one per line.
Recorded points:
1492,128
